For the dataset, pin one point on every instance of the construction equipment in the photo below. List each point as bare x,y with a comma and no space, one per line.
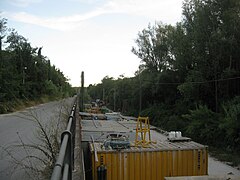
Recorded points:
143,127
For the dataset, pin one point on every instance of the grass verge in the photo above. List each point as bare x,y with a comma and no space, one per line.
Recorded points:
20,104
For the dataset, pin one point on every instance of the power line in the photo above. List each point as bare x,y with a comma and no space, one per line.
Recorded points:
215,80
195,82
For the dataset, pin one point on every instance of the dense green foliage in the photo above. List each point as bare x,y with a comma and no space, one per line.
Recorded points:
24,73
189,77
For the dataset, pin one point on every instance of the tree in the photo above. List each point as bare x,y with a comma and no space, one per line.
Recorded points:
153,47
188,78
26,74
3,30
211,28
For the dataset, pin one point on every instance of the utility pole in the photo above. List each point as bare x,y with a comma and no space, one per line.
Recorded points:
103,94
23,73
114,98
82,92
216,84
140,93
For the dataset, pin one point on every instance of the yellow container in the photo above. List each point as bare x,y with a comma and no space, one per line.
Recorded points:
161,160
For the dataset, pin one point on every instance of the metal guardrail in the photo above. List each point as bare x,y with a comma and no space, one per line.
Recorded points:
65,161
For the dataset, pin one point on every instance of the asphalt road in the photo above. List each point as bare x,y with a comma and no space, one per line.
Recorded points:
19,126
217,168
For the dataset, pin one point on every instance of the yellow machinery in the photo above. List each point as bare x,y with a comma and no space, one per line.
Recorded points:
143,127
93,110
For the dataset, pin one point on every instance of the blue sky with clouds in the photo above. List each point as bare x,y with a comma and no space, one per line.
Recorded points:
94,36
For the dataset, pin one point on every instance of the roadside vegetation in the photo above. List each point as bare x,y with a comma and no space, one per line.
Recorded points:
26,76
189,76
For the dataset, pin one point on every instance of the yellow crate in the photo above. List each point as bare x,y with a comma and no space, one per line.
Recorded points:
153,163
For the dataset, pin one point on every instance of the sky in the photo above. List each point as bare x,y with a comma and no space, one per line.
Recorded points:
94,36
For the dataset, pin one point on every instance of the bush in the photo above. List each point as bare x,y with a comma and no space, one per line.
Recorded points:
202,125
230,124
51,89
164,117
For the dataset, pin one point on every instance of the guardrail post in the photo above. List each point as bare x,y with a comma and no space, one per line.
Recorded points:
73,131
65,161
67,169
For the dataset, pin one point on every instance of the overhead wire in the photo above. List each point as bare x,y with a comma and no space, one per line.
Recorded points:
192,82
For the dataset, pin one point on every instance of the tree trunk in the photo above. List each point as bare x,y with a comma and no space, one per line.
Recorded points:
1,63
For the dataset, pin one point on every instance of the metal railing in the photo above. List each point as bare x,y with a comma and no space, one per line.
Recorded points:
65,161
